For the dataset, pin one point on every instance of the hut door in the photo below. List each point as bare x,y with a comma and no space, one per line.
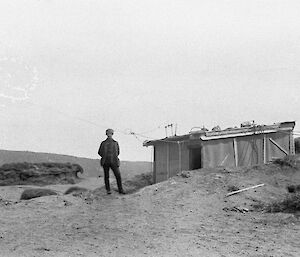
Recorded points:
195,158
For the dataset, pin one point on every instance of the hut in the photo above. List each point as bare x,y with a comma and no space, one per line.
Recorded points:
245,146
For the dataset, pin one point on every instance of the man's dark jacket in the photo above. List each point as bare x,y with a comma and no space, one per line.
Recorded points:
103,152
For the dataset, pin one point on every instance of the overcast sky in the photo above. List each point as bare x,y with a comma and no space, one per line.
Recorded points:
70,69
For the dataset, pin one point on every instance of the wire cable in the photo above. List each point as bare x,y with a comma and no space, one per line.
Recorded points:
127,132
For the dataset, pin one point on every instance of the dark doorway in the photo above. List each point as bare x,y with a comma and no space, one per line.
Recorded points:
195,158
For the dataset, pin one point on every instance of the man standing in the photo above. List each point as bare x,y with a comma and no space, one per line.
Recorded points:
109,151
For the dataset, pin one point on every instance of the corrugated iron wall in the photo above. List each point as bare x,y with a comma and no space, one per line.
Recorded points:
170,159
250,150
283,140
218,152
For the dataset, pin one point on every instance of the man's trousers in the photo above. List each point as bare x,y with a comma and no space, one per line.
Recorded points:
117,174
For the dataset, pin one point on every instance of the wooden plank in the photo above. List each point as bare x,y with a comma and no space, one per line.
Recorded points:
244,189
224,160
278,146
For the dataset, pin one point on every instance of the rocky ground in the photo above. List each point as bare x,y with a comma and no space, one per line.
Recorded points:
187,215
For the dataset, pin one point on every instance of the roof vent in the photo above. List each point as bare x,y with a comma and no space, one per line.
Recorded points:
247,124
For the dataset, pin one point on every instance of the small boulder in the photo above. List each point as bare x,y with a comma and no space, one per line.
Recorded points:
185,174
75,190
232,188
36,192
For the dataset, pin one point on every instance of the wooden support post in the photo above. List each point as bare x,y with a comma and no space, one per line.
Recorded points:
278,146
265,148
168,161
179,155
236,158
154,165
292,143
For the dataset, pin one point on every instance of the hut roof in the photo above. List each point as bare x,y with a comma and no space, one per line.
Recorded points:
226,133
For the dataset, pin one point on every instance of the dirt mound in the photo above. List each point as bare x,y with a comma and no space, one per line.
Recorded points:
36,192
39,173
273,181
218,182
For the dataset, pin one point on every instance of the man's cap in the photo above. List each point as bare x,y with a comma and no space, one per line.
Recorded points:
111,131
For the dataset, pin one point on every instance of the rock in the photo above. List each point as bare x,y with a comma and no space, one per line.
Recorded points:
236,209
75,189
6,202
39,173
232,188
185,174
36,192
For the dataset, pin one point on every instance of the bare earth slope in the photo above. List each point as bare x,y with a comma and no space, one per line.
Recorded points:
184,216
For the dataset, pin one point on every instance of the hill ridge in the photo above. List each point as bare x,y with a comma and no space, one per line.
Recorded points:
91,166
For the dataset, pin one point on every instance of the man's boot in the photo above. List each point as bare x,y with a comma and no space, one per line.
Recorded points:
122,192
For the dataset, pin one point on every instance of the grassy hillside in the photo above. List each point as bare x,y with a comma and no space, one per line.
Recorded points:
91,166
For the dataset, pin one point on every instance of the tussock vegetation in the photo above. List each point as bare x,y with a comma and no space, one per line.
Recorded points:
138,182
289,160
293,188
290,204
45,173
